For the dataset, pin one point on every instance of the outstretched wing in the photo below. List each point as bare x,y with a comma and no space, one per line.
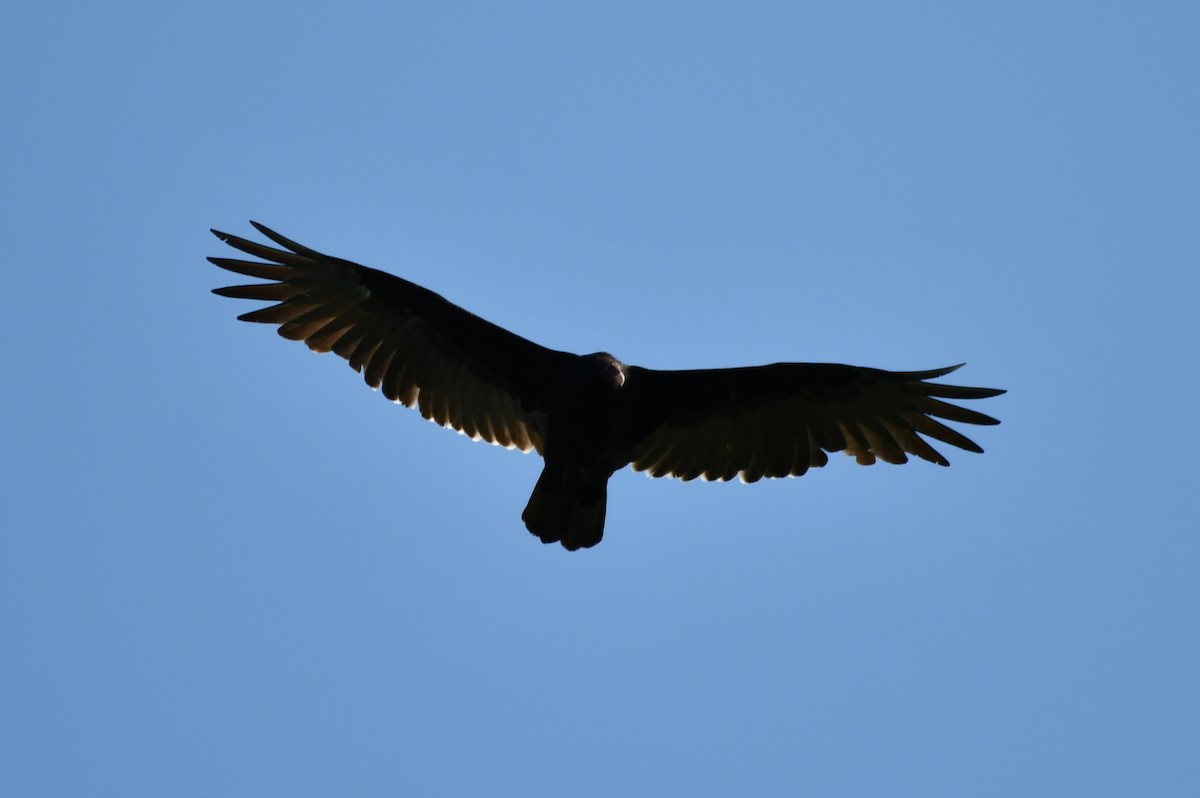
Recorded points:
458,369
780,420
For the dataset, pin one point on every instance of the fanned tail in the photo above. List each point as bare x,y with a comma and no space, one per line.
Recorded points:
571,513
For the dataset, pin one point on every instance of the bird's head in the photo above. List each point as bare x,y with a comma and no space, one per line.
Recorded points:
608,369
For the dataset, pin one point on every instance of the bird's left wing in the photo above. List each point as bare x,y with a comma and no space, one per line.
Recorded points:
780,420
419,349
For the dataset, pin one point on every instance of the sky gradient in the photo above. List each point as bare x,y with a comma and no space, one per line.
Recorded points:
228,568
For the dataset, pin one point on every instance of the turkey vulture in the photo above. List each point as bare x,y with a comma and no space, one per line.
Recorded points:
591,415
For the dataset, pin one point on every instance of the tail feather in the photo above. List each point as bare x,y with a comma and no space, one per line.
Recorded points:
570,513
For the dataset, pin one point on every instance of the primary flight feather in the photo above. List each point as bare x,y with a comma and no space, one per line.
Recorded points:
589,416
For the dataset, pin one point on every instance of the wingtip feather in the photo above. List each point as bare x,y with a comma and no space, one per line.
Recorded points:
284,241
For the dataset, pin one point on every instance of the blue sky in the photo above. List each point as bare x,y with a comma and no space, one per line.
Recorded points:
227,568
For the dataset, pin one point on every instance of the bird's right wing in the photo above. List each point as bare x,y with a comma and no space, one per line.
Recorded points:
419,349
780,420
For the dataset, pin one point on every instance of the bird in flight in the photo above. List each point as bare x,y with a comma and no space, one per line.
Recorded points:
589,416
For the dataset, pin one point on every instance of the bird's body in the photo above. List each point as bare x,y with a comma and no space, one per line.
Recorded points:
589,416
581,451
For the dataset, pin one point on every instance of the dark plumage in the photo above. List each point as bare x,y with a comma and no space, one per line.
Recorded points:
592,415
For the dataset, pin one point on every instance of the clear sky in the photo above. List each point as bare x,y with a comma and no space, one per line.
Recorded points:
227,568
